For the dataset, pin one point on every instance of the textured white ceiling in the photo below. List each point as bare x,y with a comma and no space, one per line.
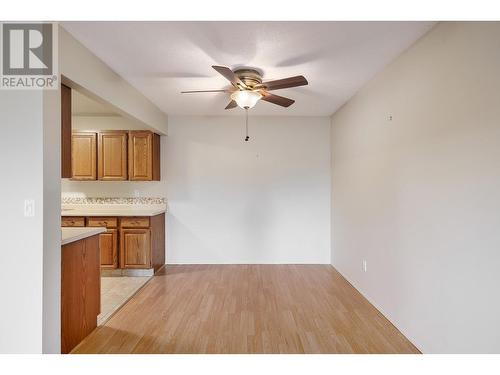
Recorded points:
163,58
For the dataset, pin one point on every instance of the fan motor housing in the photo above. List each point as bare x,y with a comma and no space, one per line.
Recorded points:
249,77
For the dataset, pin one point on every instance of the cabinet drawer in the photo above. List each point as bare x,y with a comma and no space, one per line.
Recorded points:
108,222
72,221
135,222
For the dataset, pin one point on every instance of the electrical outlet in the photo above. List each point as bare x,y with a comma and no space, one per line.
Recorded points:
364,265
29,208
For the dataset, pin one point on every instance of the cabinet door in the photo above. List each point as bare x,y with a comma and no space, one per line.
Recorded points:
135,248
108,242
83,156
112,156
65,132
140,161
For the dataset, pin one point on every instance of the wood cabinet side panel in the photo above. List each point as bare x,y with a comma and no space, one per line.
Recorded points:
80,291
156,157
66,132
158,241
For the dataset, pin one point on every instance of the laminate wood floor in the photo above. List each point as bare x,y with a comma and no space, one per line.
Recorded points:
247,309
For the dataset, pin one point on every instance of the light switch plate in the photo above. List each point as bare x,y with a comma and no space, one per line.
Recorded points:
29,208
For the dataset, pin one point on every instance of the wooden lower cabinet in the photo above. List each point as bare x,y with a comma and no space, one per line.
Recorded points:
135,249
129,242
142,242
109,249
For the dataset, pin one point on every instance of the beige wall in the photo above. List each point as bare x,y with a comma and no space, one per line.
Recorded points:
418,197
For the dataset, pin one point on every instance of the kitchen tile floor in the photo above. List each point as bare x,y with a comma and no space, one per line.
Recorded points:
115,291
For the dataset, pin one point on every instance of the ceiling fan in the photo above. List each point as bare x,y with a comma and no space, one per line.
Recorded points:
247,88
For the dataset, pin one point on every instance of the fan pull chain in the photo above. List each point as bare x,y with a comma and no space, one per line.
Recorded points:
246,125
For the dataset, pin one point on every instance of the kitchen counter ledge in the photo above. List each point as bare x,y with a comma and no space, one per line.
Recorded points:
72,234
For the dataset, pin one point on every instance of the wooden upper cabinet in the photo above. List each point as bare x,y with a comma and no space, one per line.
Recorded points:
143,156
116,155
112,156
83,156
65,132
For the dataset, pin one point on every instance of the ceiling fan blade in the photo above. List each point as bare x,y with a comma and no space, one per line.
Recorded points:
276,99
232,104
229,75
285,83
198,91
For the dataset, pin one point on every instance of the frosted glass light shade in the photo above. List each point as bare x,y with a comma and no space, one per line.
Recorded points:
246,98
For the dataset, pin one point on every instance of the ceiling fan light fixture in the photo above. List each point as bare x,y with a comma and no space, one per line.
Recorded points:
246,98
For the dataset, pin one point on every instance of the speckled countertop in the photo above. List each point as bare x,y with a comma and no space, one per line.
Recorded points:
98,206
113,210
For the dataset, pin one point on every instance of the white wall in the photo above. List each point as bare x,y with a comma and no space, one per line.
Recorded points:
51,221
21,254
31,246
108,122
418,197
263,201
